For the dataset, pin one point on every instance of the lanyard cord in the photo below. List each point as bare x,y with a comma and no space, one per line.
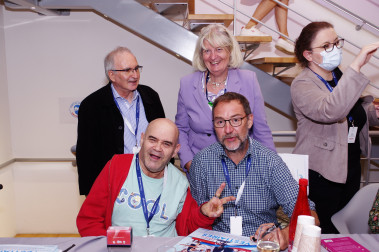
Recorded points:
143,198
137,118
330,88
227,177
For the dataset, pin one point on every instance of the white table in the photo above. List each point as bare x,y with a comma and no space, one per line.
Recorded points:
150,244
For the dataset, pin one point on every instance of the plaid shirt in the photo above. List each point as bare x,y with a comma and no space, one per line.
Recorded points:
268,185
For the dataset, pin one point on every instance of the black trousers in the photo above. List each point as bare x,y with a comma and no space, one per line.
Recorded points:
330,197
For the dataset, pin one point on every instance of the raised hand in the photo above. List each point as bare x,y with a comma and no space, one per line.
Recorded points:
377,110
215,207
364,56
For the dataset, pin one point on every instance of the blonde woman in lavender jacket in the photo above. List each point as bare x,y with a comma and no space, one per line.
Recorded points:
217,58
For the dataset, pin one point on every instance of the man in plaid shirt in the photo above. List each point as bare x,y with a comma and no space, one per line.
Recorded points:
254,174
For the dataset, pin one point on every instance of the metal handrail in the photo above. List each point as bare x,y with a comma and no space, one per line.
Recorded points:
280,133
368,158
274,134
234,7
358,27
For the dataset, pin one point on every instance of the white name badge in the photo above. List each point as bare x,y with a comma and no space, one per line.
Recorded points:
352,134
236,225
136,149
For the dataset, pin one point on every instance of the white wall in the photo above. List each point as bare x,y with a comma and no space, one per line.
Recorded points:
50,58
7,203
47,199
5,131
7,226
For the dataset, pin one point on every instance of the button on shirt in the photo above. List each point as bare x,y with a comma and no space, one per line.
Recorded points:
269,185
128,111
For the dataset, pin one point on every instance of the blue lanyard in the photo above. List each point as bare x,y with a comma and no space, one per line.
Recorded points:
226,171
330,88
137,115
143,198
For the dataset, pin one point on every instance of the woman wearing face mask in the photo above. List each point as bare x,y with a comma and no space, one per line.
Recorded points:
332,117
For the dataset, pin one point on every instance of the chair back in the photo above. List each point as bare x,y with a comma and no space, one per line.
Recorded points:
353,218
297,164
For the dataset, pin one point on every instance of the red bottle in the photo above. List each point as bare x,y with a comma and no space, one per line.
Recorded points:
301,208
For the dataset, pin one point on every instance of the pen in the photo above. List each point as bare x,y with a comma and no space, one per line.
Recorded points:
67,249
267,231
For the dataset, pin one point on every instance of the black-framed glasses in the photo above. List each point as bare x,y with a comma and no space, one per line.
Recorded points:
328,47
234,122
129,70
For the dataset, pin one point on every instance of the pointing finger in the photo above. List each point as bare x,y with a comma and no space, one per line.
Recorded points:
227,199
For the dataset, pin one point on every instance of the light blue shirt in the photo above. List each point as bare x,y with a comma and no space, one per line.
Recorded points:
128,112
128,210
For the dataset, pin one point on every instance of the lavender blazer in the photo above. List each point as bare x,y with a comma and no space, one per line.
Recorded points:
194,117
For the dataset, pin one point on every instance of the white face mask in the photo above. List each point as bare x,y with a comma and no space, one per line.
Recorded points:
330,60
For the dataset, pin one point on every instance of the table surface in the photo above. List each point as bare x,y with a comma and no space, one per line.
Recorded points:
151,244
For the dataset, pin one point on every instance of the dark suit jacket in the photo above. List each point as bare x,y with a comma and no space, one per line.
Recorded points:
101,131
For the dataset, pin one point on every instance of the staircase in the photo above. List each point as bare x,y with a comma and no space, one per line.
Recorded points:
194,22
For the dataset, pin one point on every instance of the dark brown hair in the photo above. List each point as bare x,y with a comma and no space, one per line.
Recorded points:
232,96
306,37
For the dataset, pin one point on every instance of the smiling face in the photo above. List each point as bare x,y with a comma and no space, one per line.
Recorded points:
216,59
124,83
158,145
233,139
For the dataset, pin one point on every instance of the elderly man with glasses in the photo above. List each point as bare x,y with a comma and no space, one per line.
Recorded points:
111,120
254,174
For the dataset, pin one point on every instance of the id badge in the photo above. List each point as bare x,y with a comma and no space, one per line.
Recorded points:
352,134
136,149
236,225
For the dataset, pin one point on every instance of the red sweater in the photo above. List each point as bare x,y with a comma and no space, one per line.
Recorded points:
95,215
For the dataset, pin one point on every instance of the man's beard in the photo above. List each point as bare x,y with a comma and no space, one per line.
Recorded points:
236,148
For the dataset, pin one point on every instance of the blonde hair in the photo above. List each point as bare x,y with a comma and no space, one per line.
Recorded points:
218,36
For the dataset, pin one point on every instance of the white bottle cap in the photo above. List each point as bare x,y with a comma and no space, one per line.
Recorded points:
306,220
312,231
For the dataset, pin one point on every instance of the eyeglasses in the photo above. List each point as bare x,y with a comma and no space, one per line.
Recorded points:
328,47
129,70
235,122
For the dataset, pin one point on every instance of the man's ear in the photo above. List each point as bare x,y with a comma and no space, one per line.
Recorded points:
250,119
111,75
142,134
177,148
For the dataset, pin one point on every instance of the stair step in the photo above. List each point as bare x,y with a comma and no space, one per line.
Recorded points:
253,39
274,60
269,64
167,8
226,19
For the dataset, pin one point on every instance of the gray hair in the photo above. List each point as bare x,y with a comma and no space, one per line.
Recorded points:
218,36
109,59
